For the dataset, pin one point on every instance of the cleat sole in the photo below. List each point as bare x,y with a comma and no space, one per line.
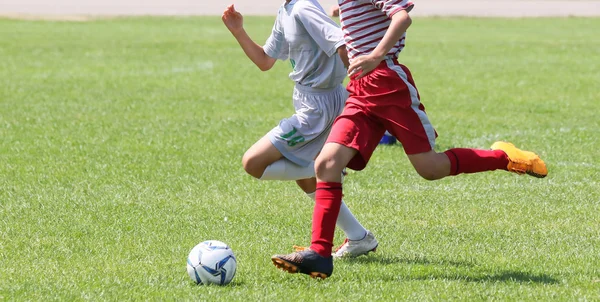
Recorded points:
292,269
531,173
316,275
284,265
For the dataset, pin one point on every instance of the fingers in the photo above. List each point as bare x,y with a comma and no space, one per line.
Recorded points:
354,71
230,9
230,12
355,67
226,12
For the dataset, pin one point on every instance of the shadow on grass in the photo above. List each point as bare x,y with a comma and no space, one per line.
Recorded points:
415,260
471,275
507,276
233,283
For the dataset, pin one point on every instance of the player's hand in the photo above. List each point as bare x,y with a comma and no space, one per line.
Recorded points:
362,65
334,11
233,20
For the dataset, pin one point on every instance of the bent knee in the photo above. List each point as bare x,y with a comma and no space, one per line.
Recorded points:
428,175
323,164
328,168
253,166
431,165
430,172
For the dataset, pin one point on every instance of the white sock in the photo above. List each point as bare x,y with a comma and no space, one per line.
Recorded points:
347,222
284,169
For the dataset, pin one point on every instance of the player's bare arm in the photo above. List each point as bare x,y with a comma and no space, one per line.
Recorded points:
343,53
234,21
362,65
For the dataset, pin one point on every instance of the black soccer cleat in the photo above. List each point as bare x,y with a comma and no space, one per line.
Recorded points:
306,262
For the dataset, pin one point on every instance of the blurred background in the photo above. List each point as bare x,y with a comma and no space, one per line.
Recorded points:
510,8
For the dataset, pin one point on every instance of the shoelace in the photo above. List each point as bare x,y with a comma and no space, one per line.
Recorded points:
294,257
298,248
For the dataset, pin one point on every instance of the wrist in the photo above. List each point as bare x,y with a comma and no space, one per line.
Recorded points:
237,31
377,56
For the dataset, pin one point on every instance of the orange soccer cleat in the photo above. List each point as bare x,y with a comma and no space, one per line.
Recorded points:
522,162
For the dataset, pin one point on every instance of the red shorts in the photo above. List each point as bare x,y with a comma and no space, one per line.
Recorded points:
385,99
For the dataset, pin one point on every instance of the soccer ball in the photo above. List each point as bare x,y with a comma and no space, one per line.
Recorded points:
211,262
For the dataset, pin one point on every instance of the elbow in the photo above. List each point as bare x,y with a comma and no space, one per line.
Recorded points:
407,20
265,63
264,67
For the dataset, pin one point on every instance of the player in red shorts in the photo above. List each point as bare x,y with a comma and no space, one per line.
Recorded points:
383,96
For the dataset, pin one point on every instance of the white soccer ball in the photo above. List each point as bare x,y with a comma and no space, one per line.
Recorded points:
211,262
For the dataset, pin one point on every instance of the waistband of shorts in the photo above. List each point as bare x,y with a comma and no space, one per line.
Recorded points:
391,59
312,90
383,64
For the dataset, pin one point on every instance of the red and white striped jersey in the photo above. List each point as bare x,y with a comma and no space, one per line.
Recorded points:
365,22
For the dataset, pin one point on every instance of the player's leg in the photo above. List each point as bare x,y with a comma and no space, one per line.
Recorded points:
351,143
258,157
315,114
265,162
288,150
502,156
359,241
328,198
411,126
317,261
308,185
432,165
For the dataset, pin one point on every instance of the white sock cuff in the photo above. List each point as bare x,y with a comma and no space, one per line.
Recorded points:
284,169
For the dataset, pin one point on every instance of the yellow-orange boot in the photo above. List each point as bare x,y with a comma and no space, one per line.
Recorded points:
521,162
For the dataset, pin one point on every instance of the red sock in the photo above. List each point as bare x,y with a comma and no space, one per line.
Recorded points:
327,207
475,160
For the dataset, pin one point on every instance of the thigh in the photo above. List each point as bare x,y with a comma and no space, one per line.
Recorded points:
262,153
355,129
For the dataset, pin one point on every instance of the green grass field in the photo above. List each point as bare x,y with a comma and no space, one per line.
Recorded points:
121,144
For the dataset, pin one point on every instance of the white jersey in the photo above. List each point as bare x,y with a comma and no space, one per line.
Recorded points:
365,22
304,34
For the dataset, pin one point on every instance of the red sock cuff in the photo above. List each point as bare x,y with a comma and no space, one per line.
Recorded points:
329,185
453,162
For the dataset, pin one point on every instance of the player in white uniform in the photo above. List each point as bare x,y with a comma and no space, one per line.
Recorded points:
304,34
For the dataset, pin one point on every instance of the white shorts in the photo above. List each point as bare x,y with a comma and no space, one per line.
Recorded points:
301,137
